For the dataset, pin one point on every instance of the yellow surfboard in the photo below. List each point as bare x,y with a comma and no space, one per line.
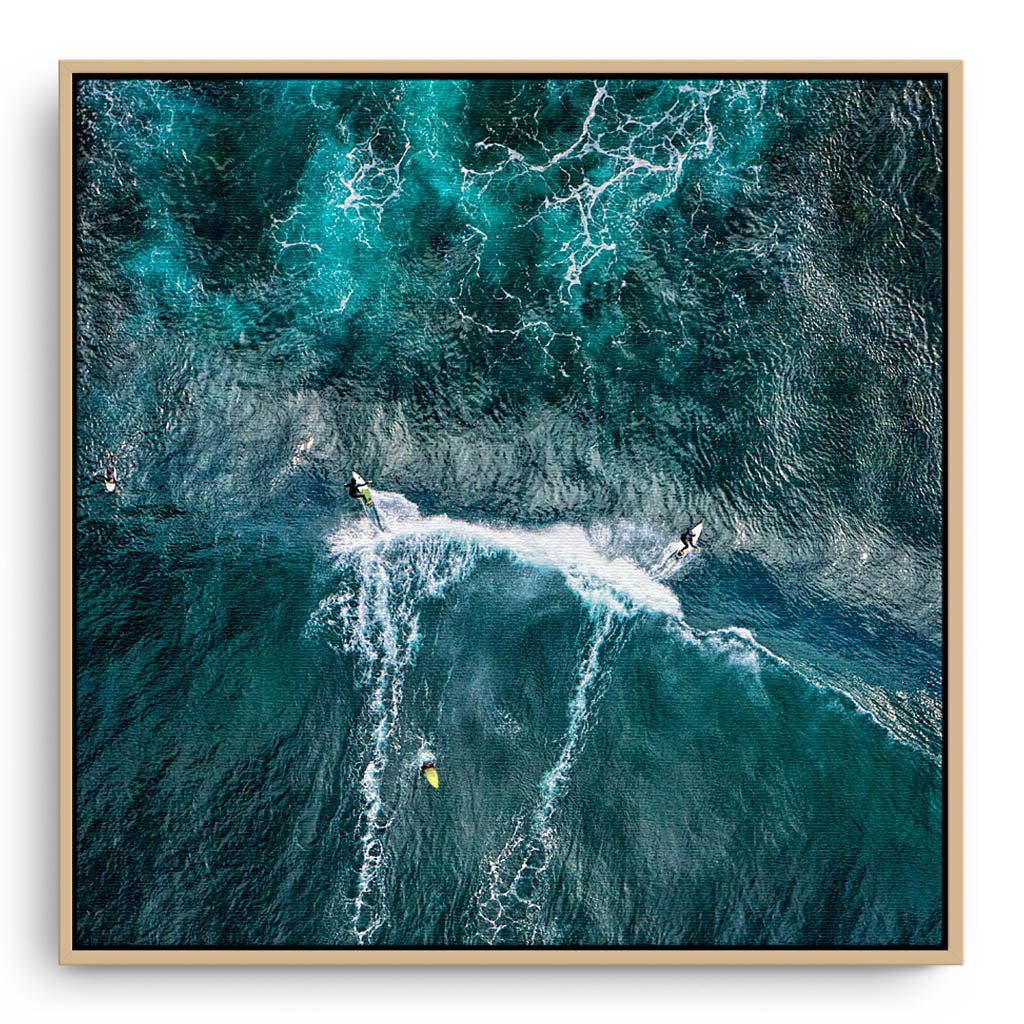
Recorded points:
430,774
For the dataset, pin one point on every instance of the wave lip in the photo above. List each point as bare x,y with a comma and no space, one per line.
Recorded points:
601,582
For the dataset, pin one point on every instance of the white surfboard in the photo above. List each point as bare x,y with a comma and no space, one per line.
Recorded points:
674,554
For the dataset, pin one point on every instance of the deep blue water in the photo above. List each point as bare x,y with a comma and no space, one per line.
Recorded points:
552,321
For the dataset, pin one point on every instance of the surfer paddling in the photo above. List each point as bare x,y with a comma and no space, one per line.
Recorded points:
429,772
110,478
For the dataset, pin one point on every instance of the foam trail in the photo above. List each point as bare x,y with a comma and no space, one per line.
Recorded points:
598,580
377,620
508,901
579,707
671,563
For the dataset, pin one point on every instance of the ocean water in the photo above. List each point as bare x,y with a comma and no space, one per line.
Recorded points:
553,322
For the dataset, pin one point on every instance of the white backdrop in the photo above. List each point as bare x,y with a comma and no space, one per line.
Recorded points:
37,35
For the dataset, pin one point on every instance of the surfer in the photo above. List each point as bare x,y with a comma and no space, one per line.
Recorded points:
429,772
110,477
357,488
672,557
689,539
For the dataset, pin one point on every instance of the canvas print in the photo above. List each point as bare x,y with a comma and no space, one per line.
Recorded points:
509,511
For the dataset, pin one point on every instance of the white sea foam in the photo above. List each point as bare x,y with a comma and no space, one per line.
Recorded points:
509,899
618,584
376,618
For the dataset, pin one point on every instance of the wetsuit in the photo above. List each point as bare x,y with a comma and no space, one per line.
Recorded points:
687,539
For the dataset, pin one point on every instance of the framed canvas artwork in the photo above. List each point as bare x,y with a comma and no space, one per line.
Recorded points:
511,513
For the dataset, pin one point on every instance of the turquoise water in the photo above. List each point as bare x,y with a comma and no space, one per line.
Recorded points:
552,322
